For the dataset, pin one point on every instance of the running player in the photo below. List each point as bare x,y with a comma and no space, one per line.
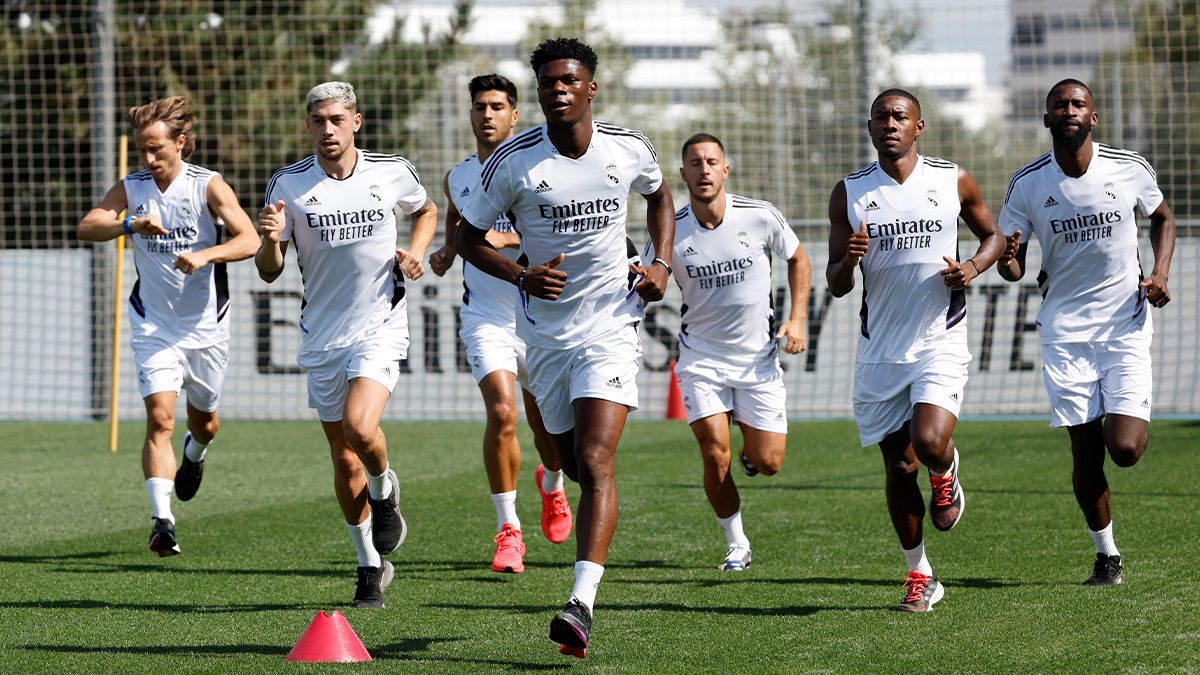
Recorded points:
496,354
1079,199
898,217
567,183
180,301
728,362
338,207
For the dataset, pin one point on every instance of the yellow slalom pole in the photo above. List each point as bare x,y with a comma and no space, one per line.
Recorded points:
115,377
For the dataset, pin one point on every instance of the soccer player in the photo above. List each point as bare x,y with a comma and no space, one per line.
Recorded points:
567,185
728,362
338,206
496,354
180,303
1079,200
898,218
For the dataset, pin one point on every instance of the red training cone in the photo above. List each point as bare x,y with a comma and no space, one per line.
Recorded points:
329,638
675,410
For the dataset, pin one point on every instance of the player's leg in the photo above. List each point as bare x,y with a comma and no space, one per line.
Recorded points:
907,510
760,409
712,434
1126,388
158,469
202,383
366,399
502,461
350,487
937,390
557,519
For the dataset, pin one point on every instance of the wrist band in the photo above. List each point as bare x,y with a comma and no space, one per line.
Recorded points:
128,224
521,278
975,265
662,262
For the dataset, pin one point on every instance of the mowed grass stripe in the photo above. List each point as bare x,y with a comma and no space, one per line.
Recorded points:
264,549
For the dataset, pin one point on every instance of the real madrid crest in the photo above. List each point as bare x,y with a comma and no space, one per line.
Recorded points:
374,190
613,176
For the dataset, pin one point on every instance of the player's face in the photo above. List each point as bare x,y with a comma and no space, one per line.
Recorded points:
332,126
894,126
492,117
160,153
704,170
565,90
1069,116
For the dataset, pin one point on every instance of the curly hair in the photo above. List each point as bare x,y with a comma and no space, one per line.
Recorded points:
563,48
175,112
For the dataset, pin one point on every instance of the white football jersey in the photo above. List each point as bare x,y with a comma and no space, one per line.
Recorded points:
185,309
485,297
576,207
1090,279
906,308
344,234
725,276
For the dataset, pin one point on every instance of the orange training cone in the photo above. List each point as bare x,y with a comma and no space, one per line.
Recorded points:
329,638
675,410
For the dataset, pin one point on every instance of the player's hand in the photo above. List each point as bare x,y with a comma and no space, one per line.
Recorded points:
442,259
654,281
500,240
1011,245
856,248
795,336
410,264
546,281
148,225
956,276
271,221
1156,290
191,261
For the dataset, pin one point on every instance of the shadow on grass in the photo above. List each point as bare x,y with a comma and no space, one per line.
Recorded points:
165,650
796,610
159,607
410,650
746,578
474,565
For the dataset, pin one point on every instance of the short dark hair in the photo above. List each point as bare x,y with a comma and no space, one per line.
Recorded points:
1062,83
493,82
701,138
896,91
563,48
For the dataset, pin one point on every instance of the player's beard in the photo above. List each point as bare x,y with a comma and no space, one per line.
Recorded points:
1068,140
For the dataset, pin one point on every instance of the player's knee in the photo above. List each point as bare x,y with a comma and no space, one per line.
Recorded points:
901,469
160,421
358,433
595,466
502,417
1126,452
926,442
769,465
346,464
715,456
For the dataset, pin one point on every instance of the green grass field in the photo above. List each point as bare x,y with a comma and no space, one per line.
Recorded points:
264,549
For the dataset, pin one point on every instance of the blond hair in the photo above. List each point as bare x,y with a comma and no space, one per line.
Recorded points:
174,112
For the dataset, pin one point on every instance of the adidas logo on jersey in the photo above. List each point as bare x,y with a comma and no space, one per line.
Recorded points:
954,397
313,201
542,187
872,206
689,251
1049,202
614,383
465,191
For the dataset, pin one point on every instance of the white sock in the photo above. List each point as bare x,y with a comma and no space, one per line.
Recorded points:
587,580
1104,540
552,481
195,450
917,562
159,490
379,486
506,509
360,536
733,529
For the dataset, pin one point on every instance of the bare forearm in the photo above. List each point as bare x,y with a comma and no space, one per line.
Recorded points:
799,284
989,251
840,277
660,221
472,245
269,260
100,226
424,226
1162,240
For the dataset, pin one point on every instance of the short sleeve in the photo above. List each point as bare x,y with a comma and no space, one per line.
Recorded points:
1145,187
649,176
1013,215
411,194
491,197
781,239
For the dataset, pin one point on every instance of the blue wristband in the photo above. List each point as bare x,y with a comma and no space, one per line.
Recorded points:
128,224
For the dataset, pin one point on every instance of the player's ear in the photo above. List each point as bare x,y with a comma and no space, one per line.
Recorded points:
592,89
516,116
357,121
920,127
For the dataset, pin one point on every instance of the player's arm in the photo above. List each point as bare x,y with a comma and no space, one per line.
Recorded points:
103,221
1162,240
224,205
660,221
795,328
424,226
1011,264
269,259
543,281
847,246
978,217
442,259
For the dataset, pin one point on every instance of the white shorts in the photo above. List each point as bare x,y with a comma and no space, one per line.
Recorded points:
1088,379
605,368
200,371
492,347
376,357
885,393
755,394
